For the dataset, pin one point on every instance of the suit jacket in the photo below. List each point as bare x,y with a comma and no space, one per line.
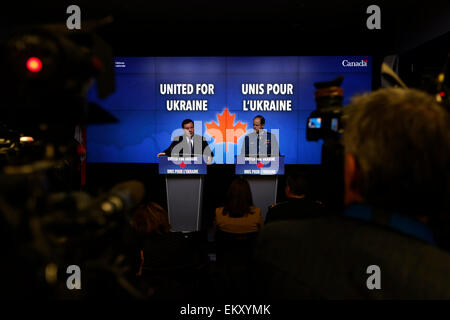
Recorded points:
295,208
264,144
180,146
327,258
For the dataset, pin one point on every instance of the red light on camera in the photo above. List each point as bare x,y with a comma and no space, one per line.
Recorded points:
34,64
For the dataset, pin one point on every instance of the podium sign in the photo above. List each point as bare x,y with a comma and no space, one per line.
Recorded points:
261,166
182,165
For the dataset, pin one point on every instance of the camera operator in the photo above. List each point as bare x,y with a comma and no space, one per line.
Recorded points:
397,151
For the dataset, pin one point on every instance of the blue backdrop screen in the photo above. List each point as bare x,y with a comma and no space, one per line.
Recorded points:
222,95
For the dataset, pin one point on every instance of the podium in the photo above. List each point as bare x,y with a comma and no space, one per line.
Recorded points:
262,175
184,187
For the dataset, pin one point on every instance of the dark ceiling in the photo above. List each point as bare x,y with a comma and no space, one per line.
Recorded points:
248,27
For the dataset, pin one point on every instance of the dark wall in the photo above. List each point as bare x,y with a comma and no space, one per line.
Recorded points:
295,27
419,67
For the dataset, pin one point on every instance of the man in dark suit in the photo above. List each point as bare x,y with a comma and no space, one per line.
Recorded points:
298,204
397,151
189,144
260,142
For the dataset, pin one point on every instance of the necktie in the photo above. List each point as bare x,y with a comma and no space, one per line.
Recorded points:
192,146
257,144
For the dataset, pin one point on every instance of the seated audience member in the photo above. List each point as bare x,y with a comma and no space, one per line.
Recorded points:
236,225
158,247
397,155
239,215
298,204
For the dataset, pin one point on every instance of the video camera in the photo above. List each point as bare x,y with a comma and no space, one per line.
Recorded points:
43,222
47,72
325,122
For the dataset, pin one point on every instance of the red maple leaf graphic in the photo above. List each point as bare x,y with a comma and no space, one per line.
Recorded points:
225,131
182,165
259,165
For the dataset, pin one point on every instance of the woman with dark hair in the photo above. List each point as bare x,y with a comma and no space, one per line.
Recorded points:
150,218
159,248
239,215
237,225
169,263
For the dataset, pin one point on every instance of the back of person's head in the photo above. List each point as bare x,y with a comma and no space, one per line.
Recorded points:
151,218
397,145
297,183
239,199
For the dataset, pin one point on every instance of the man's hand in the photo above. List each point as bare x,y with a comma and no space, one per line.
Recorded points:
208,160
161,154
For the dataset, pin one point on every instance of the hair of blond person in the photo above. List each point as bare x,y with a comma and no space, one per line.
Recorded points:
401,141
